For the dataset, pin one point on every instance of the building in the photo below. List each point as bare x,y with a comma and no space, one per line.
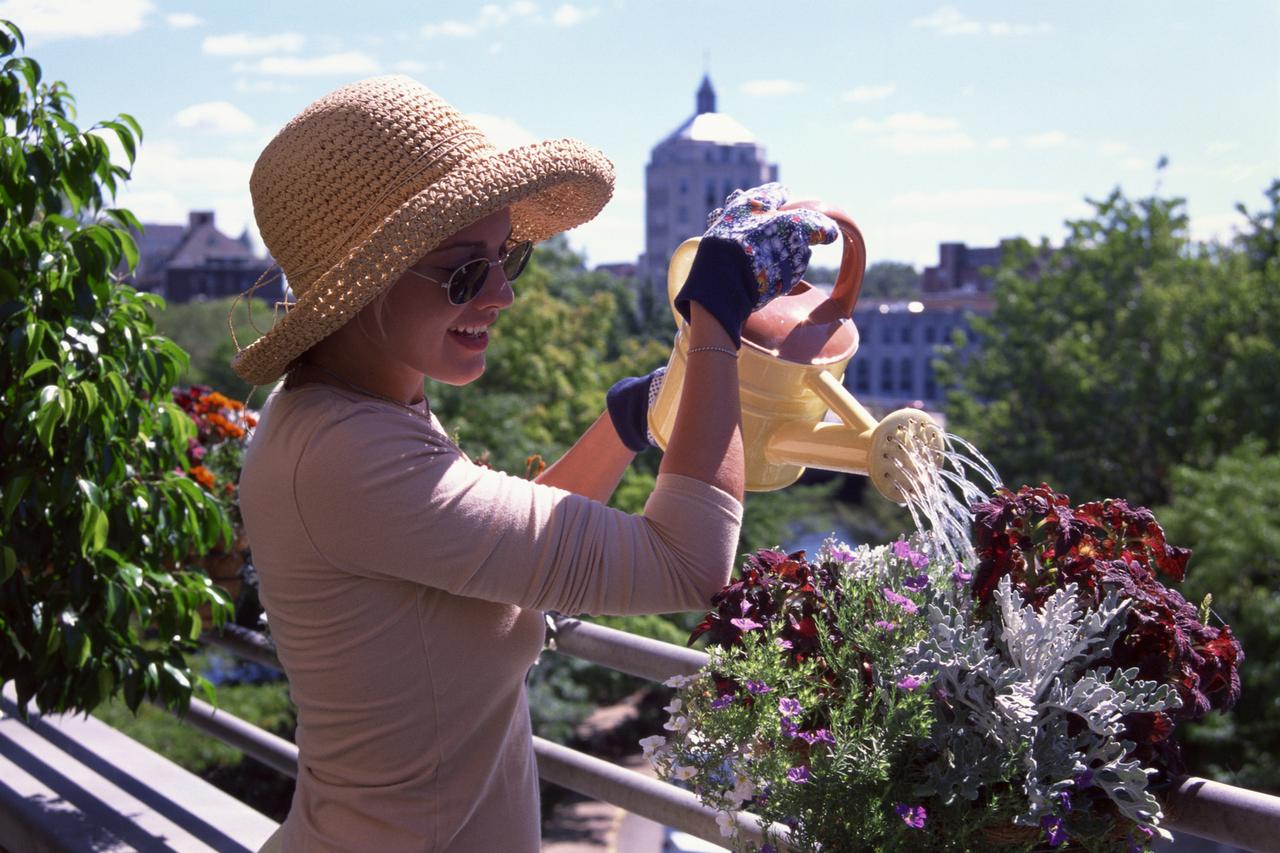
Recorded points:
689,174
197,261
963,269
898,342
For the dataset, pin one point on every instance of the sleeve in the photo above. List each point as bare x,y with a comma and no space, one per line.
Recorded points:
380,496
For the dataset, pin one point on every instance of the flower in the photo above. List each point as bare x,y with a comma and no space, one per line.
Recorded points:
679,681
817,736
758,687
744,624
677,724
901,549
674,706
789,727
798,775
684,772
907,605
1084,779
1054,832
916,583
724,700
728,825
842,553
918,560
789,707
652,744
959,576
886,626
912,816
909,683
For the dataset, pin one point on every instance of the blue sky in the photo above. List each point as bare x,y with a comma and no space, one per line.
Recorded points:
927,121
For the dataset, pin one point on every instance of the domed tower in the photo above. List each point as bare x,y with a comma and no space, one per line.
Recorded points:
689,174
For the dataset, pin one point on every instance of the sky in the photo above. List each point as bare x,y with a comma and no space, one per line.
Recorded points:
928,122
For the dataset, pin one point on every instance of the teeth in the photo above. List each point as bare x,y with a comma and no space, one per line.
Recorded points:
468,330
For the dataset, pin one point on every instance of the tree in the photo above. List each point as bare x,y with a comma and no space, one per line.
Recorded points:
882,280
1129,351
98,513
1226,514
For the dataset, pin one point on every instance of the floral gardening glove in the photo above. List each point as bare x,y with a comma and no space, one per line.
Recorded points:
628,402
751,253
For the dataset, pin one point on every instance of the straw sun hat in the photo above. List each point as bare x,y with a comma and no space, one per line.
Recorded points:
368,179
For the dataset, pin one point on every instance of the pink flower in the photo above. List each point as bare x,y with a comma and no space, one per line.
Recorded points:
902,601
798,775
912,816
909,683
745,624
789,707
901,550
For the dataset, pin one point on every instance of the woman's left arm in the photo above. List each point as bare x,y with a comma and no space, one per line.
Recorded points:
594,466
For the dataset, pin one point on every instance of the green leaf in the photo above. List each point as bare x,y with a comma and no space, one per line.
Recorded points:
133,123
14,491
125,218
94,527
38,366
8,563
125,135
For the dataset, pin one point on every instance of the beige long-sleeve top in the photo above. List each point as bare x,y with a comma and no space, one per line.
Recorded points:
403,586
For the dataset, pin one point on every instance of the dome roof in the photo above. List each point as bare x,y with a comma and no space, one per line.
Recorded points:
719,128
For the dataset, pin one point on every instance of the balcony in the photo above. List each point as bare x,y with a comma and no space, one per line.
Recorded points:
59,791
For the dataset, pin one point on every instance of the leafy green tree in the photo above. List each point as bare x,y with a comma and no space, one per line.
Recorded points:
1226,514
97,511
200,328
1127,352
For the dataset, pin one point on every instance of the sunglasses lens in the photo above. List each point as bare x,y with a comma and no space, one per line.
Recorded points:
467,280
514,263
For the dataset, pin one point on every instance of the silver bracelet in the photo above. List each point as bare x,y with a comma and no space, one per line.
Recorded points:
724,350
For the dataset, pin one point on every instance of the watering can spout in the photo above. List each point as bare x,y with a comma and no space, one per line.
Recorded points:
794,353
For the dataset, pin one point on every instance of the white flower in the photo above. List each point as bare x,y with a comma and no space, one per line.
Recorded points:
679,681
728,825
652,744
744,790
676,705
683,772
676,724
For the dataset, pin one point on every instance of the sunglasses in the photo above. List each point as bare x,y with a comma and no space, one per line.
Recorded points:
464,283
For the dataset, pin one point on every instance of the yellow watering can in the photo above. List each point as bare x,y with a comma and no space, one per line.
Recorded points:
793,357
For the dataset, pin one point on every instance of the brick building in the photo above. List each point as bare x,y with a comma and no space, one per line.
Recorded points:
197,261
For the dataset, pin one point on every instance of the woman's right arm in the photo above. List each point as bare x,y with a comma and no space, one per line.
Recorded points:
706,440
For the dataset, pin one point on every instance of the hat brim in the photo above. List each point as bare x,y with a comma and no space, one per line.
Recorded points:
549,186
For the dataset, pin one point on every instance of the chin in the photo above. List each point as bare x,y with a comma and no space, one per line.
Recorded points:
461,377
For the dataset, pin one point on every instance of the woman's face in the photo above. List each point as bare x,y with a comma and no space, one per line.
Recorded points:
427,333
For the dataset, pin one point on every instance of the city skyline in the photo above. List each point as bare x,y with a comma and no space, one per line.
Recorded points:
968,122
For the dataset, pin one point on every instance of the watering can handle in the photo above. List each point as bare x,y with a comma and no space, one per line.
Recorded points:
853,263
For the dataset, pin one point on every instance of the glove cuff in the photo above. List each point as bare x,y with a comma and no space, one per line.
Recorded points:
723,282
628,404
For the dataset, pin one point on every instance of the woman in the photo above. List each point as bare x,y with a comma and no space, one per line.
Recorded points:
404,583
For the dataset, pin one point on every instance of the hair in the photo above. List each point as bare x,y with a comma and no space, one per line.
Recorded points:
377,309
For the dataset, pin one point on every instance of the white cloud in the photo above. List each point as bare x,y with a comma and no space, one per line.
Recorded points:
1221,227
568,15
1112,148
771,88
491,15
48,20
950,21
1221,148
1133,164
914,133
410,66
998,143
263,87
1050,139
335,64
860,94
503,132
247,44
982,197
221,117
183,20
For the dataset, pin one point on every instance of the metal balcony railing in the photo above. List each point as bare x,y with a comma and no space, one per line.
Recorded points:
1222,813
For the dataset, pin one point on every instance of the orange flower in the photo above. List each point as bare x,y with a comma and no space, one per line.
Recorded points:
203,476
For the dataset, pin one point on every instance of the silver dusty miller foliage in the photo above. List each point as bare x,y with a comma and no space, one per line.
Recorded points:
1008,689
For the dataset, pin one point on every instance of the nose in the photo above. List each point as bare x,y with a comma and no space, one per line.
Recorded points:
497,292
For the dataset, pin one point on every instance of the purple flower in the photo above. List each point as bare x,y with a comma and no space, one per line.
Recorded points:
758,687
912,816
902,601
959,576
799,775
768,848
1084,780
789,727
917,583
901,549
817,736
789,707
784,644
842,554
885,626
918,560
1064,797
724,700
909,683
1054,833
745,624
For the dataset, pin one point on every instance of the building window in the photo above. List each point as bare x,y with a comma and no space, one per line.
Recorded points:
728,187
725,151
886,335
930,335
684,186
682,215
712,203
905,383
930,384
886,375
861,375
905,334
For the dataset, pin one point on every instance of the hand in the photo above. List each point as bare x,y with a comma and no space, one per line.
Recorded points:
629,401
751,253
